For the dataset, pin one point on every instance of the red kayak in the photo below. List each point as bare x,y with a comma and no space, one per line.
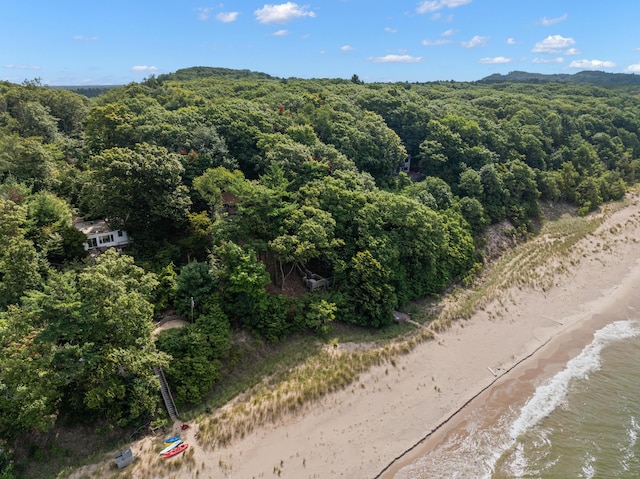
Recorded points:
176,450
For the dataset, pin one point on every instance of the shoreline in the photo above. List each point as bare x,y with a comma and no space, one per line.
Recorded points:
357,432
518,384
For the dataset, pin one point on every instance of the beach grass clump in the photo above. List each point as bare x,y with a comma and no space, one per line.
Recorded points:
331,370
534,264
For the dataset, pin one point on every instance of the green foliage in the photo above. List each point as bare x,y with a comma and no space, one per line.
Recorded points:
473,212
470,184
139,190
307,233
100,326
28,384
6,464
81,347
317,314
193,286
215,181
371,297
241,281
274,325
167,287
51,229
198,350
494,193
30,161
19,260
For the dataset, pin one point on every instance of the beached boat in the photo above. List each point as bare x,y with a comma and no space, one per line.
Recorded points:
170,447
176,450
172,439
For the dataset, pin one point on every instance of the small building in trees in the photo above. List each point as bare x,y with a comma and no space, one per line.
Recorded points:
229,203
101,236
404,167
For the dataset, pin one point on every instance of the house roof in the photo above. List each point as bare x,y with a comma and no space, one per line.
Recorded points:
93,227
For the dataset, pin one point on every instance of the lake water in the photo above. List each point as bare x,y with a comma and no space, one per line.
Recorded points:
584,422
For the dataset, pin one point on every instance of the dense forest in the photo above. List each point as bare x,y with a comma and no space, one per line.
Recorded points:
236,187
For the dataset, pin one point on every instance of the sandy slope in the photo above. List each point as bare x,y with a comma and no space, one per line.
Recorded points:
357,433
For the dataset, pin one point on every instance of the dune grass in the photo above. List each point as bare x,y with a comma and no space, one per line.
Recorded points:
534,264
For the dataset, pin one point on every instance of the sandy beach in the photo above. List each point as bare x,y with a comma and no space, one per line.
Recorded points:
394,413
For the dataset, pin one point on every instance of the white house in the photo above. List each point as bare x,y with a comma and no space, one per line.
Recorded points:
101,236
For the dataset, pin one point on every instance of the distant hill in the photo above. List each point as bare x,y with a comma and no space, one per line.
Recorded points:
90,91
589,77
194,73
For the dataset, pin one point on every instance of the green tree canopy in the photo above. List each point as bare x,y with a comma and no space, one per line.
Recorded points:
139,190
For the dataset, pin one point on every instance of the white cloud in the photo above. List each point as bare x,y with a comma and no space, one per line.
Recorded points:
282,13
548,60
511,41
396,59
635,68
435,43
552,21
227,17
435,5
346,48
572,51
591,64
280,33
12,66
82,38
476,41
144,69
553,44
495,60
204,13
390,30
449,32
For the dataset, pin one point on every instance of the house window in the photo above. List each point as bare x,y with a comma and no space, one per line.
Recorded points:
92,242
106,239
119,233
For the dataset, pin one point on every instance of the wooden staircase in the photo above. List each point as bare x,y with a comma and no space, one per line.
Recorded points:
166,393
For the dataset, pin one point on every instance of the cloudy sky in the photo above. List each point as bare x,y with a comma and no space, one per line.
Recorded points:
115,42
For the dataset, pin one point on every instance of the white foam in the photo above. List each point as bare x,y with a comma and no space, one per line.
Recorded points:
588,469
551,394
629,449
477,453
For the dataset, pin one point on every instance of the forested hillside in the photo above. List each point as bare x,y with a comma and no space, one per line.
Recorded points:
237,186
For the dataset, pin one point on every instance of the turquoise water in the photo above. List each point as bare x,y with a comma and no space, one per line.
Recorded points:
584,422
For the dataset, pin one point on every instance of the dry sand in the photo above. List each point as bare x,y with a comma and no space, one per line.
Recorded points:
360,431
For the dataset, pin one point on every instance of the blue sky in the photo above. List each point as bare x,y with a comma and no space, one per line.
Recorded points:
86,42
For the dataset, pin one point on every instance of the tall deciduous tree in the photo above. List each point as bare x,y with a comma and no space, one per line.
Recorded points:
372,298
19,260
99,324
242,281
200,348
139,190
307,233
29,387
